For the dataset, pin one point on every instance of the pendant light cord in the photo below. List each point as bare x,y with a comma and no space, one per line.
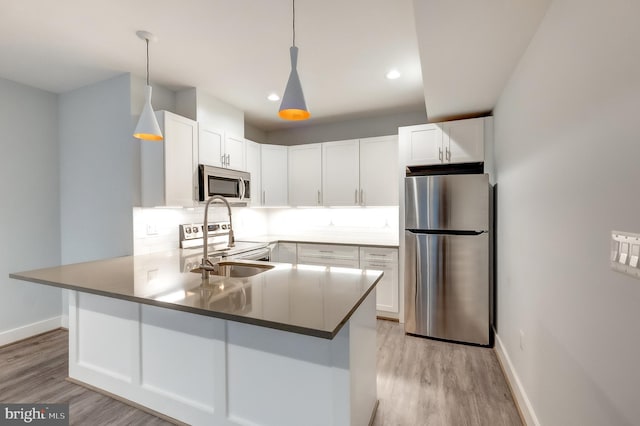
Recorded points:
294,23
147,40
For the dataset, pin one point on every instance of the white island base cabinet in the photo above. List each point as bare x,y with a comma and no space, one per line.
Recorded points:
210,371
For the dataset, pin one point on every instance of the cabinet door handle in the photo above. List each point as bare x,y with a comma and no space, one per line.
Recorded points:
362,196
377,265
222,160
319,202
440,154
448,154
228,160
356,195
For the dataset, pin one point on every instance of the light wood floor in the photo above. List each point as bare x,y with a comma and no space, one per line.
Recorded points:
432,383
420,382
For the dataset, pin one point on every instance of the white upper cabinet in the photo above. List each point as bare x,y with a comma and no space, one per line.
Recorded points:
220,149
463,140
379,171
234,151
459,141
360,172
274,175
305,175
169,167
210,145
253,166
341,173
425,144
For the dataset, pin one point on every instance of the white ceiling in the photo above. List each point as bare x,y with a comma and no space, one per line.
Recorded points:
238,51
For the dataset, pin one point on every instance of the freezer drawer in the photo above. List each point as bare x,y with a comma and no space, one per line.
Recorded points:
447,202
447,286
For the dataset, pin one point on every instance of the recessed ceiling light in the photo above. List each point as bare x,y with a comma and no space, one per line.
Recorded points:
273,97
393,74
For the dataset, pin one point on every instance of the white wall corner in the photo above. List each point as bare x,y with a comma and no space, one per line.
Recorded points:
517,389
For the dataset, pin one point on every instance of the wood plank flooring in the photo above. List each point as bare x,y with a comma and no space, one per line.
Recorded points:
420,382
428,382
34,371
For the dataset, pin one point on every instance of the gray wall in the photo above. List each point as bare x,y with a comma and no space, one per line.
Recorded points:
348,129
567,147
97,175
254,134
100,166
30,209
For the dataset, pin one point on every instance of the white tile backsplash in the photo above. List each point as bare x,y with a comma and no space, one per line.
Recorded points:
165,221
251,222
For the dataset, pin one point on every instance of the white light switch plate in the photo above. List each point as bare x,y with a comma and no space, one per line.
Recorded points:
625,253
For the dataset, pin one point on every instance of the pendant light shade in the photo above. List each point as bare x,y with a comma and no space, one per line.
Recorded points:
293,106
148,128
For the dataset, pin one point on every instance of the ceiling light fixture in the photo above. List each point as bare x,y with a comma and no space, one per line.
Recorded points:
273,97
147,128
293,106
393,74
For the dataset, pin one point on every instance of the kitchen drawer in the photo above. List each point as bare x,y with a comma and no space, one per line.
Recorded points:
284,252
387,292
329,255
378,255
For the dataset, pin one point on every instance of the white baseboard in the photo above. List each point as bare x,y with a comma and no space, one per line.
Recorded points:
20,333
64,321
526,409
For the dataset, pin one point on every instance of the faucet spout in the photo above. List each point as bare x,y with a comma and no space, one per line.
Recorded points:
206,263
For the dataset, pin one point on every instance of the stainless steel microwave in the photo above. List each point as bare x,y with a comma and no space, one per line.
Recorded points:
234,185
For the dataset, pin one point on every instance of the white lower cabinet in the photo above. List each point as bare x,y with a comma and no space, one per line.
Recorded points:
285,253
383,259
386,260
329,255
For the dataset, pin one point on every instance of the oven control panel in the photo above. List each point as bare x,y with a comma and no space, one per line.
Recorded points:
192,231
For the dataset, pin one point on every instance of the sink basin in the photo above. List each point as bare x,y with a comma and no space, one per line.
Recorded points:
237,269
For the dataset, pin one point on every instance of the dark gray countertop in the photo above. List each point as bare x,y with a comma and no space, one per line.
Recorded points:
311,300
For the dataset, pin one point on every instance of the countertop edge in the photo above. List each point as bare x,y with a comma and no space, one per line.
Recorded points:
269,239
329,335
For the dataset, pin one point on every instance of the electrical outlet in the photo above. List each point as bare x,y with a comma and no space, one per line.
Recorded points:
521,340
152,229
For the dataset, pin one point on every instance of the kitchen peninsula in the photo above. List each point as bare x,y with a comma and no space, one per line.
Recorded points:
292,345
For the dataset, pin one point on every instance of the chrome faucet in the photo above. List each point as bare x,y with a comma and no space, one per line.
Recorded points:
206,264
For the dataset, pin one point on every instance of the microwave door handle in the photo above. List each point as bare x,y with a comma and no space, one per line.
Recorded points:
242,189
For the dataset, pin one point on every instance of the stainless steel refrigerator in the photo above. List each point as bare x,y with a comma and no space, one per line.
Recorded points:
447,257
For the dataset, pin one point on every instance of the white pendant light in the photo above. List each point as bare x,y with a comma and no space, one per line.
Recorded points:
147,128
293,106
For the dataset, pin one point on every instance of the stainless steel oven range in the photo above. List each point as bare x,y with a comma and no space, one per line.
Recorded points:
191,241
